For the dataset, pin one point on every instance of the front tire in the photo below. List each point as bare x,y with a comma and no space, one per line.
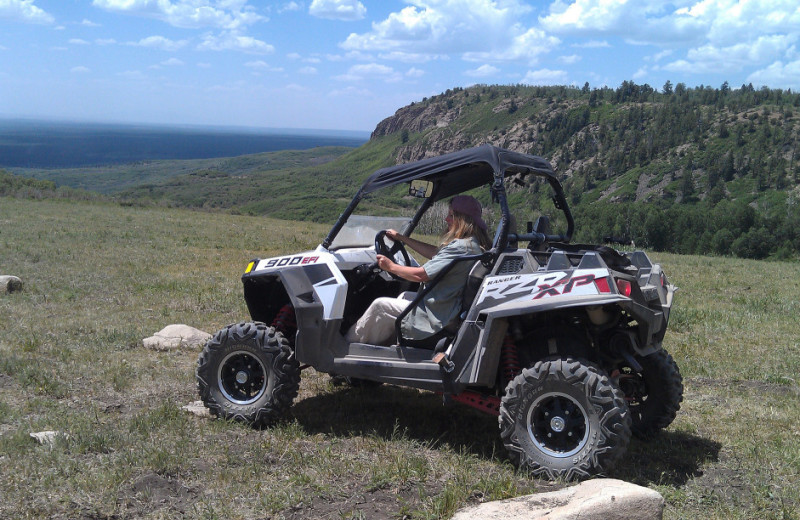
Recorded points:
564,419
247,372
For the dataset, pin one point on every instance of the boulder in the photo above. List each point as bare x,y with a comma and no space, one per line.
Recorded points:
10,283
599,499
49,437
173,337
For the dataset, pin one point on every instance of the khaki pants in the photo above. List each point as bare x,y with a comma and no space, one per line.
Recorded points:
376,325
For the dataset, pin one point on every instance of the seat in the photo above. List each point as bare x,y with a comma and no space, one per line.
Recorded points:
439,340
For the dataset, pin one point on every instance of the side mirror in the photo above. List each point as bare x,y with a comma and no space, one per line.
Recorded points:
420,189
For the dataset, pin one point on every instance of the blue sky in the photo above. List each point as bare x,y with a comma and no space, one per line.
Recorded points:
348,64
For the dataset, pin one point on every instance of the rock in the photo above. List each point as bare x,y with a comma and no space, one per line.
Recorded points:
48,438
10,284
197,408
176,336
599,499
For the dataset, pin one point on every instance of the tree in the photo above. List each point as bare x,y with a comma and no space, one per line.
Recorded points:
667,89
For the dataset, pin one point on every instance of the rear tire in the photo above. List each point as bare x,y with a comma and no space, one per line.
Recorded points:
564,419
654,396
247,372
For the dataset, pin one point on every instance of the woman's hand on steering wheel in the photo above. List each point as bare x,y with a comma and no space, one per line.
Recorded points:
382,249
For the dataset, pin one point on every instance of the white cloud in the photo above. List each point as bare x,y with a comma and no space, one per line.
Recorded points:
105,41
482,72
712,59
414,72
261,65
570,60
232,41
172,62
659,55
545,77
778,73
660,22
79,70
203,65
24,11
189,14
294,87
369,71
132,74
650,21
720,36
77,41
338,9
527,46
351,92
290,6
640,74
410,57
592,44
89,23
159,42
479,30
307,70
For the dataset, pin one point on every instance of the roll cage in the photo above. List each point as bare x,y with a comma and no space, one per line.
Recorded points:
461,171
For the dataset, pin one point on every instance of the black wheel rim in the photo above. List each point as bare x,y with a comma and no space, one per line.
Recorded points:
242,378
558,425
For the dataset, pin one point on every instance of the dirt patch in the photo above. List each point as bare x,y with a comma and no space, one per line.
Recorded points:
359,500
152,492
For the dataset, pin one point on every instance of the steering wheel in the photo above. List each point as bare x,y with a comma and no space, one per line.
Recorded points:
382,249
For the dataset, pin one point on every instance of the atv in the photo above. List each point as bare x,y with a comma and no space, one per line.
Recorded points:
560,341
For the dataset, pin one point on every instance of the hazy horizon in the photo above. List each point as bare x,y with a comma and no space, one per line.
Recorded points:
33,143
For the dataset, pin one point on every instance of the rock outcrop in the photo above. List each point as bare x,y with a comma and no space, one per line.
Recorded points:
599,499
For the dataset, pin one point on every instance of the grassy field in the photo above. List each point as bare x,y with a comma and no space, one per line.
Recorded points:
100,277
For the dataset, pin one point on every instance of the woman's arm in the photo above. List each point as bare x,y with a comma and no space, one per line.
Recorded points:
425,249
412,274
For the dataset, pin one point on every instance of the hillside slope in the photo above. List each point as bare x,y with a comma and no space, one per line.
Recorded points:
691,170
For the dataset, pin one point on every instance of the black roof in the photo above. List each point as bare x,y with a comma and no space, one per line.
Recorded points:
461,171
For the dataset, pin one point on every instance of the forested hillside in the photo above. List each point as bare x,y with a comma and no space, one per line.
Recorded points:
691,170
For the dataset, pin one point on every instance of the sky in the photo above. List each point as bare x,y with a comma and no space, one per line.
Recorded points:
348,64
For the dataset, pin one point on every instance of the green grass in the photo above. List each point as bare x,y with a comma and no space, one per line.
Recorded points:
100,277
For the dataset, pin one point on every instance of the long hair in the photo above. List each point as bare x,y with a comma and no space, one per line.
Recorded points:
464,227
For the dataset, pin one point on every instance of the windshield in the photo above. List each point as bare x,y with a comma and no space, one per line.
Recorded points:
360,230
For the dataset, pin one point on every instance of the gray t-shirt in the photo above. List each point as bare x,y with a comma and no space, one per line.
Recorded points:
443,303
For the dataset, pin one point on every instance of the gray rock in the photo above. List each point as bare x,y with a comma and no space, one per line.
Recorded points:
173,337
48,438
10,284
599,499
196,408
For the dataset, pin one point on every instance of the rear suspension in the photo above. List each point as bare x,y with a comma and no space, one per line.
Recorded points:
510,366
